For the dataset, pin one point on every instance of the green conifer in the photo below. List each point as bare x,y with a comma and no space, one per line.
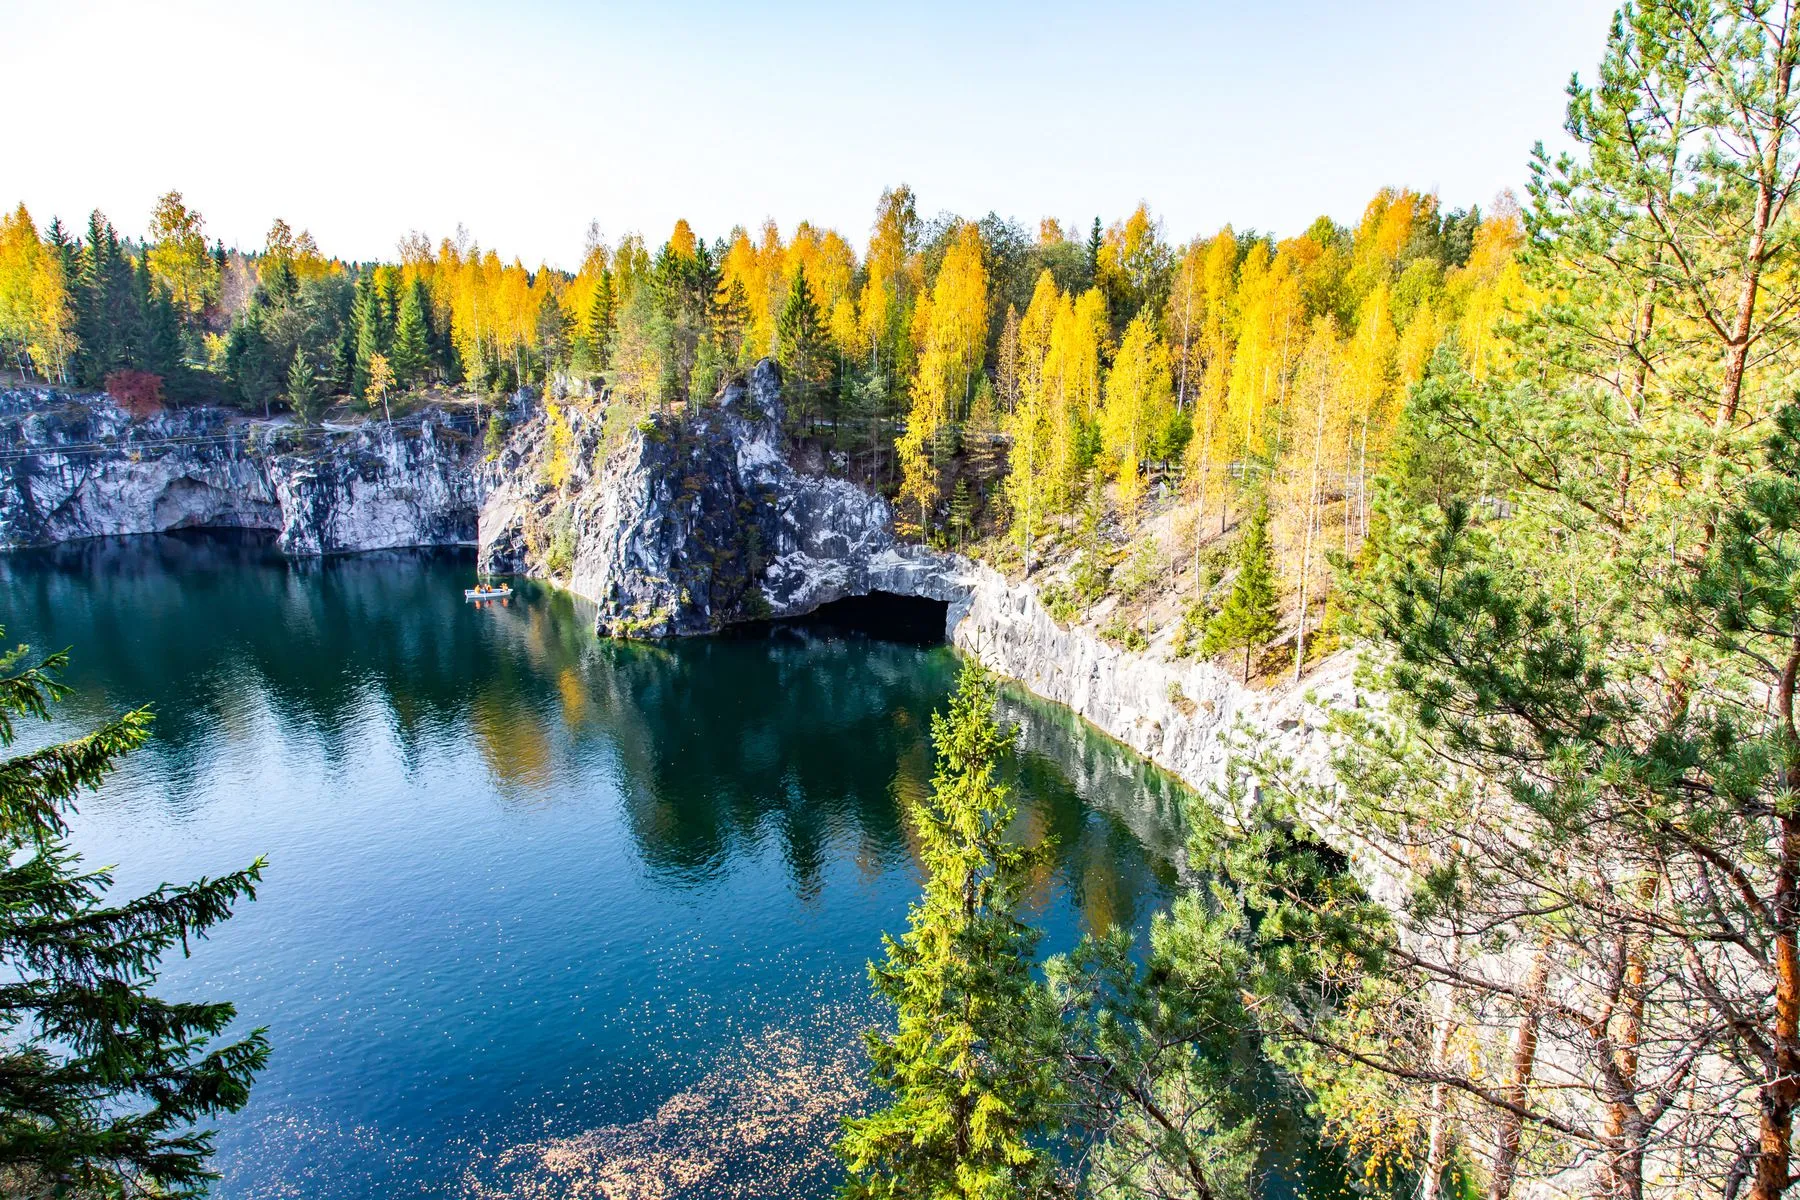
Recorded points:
1249,617
101,1082
156,340
962,512
801,347
495,439
598,327
341,372
412,338
368,319
302,389
970,1066
108,317
731,319
251,363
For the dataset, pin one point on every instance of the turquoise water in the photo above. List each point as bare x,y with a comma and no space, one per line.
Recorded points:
544,915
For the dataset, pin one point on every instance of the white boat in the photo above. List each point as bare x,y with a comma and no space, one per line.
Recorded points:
487,591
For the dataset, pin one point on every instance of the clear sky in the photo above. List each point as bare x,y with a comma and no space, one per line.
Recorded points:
525,120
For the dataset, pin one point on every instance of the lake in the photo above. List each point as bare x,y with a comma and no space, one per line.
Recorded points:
544,916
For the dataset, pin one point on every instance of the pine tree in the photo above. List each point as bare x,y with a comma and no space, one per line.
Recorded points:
1249,617
970,1067
412,337
302,389
100,1081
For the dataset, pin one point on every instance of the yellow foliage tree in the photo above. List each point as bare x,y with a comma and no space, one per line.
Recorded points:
953,327
1486,288
1369,382
179,259
1138,402
36,322
1271,331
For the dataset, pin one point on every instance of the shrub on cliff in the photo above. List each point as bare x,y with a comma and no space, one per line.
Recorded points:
139,393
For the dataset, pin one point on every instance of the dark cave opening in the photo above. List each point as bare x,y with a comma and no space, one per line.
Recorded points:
915,620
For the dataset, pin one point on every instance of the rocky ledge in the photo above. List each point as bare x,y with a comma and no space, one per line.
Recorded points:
78,466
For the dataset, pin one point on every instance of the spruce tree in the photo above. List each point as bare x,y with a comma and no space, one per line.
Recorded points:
107,312
962,512
412,338
156,345
731,318
970,1068
342,368
68,253
371,332
90,279
302,389
801,346
101,1082
1249,617
598,328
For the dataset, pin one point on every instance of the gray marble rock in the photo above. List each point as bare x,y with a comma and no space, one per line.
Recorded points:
77,466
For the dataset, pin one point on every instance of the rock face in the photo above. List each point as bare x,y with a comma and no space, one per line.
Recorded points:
688,525
79,467
1176,713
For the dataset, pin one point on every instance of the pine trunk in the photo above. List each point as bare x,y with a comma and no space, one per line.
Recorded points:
1509,1133
1781,1094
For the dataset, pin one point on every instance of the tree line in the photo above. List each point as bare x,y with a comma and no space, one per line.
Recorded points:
988,378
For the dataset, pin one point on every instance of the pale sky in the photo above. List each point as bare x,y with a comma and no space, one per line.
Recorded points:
523,121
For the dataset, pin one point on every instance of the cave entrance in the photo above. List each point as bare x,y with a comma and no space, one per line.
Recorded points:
915,620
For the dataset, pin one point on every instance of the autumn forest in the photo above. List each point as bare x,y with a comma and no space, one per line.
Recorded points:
1513,910
985,375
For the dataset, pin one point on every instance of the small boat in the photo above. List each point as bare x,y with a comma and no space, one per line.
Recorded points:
487,591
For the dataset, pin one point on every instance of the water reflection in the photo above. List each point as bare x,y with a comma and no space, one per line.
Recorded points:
788,732
527,885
